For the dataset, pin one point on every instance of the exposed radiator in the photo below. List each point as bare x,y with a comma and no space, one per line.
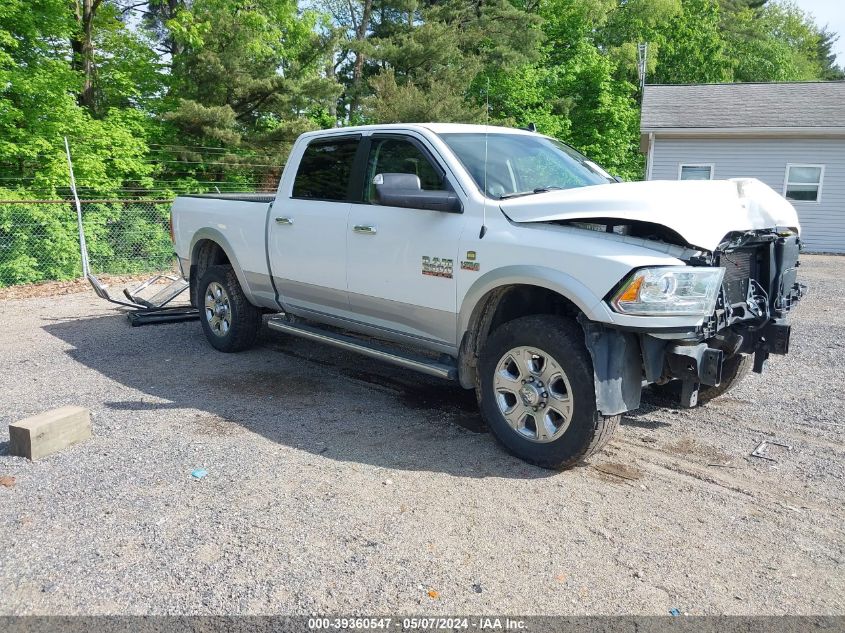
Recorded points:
740,266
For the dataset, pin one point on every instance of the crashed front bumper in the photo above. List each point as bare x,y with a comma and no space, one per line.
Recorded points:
750,318
623,360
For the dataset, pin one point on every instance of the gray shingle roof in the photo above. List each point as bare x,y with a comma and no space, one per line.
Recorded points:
763,105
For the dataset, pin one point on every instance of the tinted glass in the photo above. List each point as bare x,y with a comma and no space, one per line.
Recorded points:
521,163
325,169
395,156
697,172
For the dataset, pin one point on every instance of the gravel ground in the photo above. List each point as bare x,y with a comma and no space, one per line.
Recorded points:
338,484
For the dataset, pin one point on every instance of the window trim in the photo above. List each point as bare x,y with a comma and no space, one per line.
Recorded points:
820,183
710,166
416,142
329,138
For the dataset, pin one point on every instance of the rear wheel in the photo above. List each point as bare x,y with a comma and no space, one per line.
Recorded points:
230,322
537,393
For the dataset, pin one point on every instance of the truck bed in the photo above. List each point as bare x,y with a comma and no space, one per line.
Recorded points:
237,222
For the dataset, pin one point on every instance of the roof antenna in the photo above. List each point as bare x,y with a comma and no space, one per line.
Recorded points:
486,126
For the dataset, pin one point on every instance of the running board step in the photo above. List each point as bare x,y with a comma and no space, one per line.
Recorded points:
415,363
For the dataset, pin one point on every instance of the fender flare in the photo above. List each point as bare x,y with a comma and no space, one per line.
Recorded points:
474,317
213,235
527,275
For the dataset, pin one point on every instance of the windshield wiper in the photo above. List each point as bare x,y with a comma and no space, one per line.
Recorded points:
518,194
515,194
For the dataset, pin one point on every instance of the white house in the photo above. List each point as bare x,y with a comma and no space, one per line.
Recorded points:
789,135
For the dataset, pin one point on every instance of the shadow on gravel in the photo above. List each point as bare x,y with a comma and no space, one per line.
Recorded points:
642,418
300,394
642,421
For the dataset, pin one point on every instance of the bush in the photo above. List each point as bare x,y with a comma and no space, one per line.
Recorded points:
40,242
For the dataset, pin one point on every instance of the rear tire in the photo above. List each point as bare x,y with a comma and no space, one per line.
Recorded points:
537,392
229,321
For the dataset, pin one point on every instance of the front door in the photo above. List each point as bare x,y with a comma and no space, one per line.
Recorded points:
307,230
402,262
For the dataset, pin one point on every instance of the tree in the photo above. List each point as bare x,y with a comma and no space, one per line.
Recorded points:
435,65
217,87
830,70
252,68
155,16
39,106
248,79
82,44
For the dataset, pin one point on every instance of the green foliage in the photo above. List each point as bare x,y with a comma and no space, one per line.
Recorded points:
775,43
247,72
39,241
431,71
692,48
169,96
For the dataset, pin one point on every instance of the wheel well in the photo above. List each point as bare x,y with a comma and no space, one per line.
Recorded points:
499,306
523,300
206,253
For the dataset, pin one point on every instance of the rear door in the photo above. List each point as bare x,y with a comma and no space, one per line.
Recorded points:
307,228
402,262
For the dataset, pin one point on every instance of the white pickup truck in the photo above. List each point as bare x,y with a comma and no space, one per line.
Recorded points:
507,261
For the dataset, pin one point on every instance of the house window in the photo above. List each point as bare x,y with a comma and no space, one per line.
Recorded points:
804,183
695,172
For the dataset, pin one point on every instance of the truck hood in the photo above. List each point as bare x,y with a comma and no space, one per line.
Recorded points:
702,212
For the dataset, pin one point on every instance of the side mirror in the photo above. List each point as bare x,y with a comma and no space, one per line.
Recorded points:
618,178
403,190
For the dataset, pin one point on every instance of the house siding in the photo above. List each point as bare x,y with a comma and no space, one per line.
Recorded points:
822,223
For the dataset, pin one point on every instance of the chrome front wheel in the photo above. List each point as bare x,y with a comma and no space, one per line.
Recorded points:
537,393
533,394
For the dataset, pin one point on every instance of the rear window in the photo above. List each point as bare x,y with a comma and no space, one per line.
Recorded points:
325,169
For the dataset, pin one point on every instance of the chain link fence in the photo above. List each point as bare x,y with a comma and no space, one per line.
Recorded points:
39,239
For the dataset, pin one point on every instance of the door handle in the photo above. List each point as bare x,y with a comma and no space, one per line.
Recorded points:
284,221
364,229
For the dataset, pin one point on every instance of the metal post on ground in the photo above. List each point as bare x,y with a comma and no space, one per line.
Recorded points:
83,248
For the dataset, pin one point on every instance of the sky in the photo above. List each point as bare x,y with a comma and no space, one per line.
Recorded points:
831,13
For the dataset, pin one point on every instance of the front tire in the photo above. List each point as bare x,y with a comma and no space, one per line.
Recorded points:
537,392
229,321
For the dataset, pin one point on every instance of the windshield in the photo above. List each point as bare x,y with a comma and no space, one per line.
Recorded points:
522,164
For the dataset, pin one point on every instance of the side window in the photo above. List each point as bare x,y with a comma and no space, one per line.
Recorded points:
325,169
695,172
396,156
804,183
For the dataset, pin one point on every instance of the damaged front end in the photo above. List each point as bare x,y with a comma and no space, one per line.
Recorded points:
753,297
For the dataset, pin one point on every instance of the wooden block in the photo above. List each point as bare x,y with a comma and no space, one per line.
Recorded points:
49,432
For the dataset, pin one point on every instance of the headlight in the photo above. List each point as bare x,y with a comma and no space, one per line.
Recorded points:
670,290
